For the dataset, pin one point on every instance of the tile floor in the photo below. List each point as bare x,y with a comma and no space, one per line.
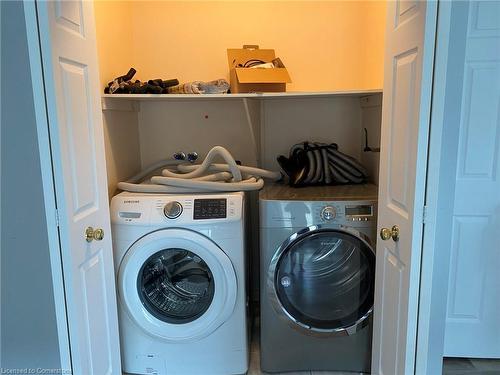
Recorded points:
452,366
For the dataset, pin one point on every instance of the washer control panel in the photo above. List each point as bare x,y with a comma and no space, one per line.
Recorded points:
210,209
149,209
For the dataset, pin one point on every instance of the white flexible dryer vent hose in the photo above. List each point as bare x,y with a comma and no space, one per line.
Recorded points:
204,177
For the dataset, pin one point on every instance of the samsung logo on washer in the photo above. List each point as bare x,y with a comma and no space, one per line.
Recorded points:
131,201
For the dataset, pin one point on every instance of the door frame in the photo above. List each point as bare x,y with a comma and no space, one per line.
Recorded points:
443,150
0,181
48,183
434,271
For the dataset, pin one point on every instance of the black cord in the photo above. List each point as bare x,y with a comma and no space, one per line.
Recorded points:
368,148
251,62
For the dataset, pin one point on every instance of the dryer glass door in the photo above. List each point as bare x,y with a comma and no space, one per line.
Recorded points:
176,285
324,280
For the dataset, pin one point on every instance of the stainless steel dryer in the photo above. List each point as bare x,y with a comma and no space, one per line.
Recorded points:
317,277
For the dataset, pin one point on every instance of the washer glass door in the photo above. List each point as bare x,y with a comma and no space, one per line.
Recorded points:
324,280
176,285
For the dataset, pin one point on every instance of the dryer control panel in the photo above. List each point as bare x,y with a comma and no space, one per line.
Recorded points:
279,214
359,212
345,212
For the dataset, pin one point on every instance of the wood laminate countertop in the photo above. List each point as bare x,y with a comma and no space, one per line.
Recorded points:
274,191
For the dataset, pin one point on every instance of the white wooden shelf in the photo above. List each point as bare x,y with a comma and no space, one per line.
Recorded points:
162,97
131,102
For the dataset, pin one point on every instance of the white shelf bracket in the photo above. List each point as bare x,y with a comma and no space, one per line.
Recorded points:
127,105
252,129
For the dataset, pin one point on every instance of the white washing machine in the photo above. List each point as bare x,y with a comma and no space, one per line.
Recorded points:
180,267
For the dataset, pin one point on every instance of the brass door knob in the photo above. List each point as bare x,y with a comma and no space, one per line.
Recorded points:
93,234
386,233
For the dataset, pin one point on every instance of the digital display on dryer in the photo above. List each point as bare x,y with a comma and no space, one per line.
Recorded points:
210,209
359,210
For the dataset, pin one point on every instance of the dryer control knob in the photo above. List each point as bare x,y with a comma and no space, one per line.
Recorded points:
328,213
172,210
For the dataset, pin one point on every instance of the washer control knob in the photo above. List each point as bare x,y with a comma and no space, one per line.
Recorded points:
328,213
172,210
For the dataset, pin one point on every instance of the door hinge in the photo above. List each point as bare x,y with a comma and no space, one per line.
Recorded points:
424,215
57,218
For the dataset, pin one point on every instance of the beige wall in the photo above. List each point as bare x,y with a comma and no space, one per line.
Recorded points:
326,45
114,38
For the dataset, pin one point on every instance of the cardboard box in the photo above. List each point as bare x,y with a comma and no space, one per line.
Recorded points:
253,79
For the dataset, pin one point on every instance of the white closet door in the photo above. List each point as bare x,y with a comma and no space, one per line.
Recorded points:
69,59
473,313
411,28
